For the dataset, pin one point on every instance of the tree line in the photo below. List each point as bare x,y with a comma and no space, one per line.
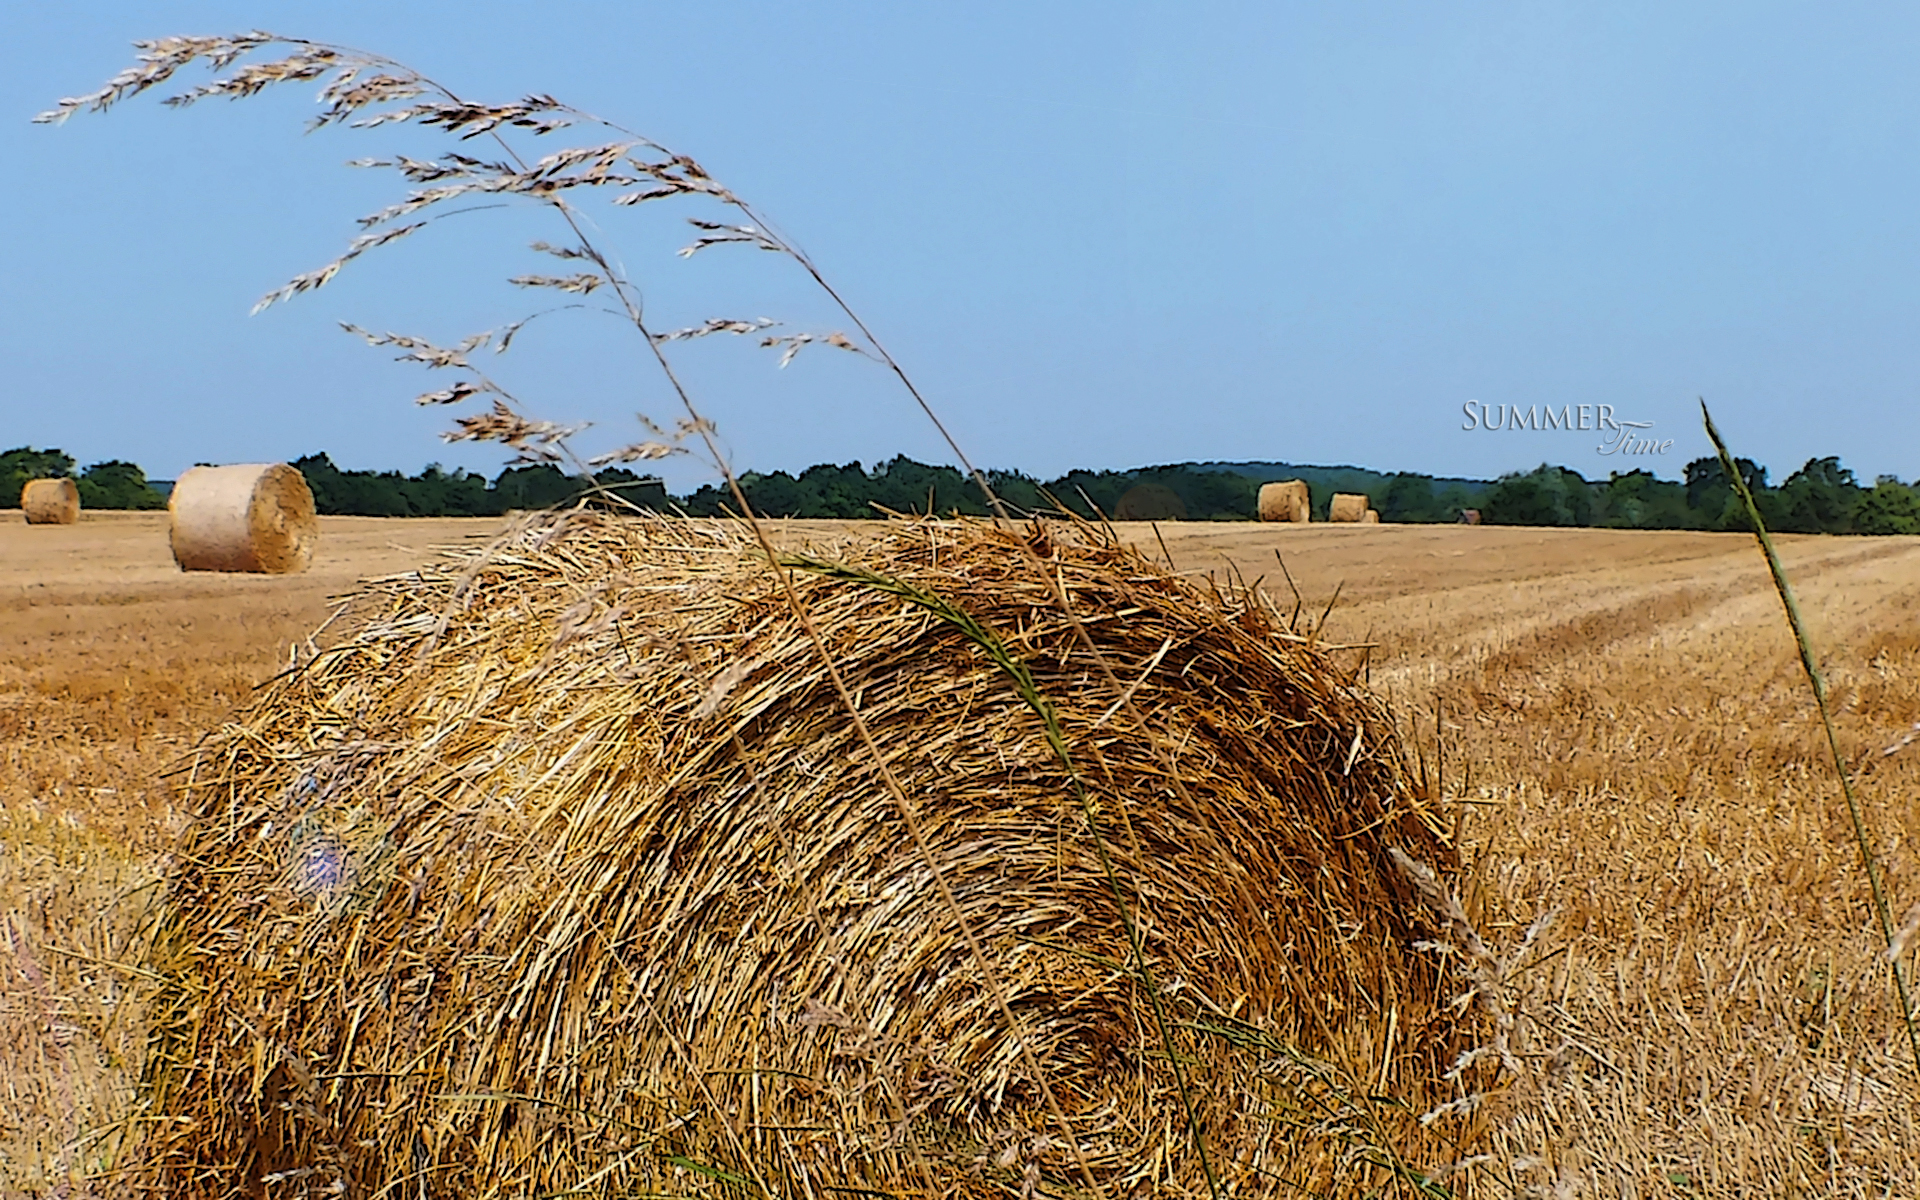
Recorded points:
1821,497
110,484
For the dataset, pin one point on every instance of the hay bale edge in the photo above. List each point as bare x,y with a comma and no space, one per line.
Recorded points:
54,501
1287,500
251,517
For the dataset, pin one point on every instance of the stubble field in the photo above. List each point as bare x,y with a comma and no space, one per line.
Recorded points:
1622,714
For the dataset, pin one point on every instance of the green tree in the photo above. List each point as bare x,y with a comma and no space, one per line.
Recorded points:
904,486
541,485
354,493
1452,501
1639,500
709,500
1713,505
1818,498
1889,506
774,495
1084,492
117,484
1149,502
843,492
641,491
1409,497
436,492
1204,495
1705,476
24,463
324,481
1546,495
1019,492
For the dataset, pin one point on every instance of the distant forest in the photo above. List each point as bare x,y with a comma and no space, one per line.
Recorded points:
112,484
1821,497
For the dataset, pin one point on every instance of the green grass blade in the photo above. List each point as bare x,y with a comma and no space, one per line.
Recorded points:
1812,668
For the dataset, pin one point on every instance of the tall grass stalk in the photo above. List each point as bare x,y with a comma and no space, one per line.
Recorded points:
367,90
1811,665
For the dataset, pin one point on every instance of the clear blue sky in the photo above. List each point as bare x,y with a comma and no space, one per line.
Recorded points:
1098,234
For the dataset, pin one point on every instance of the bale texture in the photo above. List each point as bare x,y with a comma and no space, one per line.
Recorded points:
1348,506
1285,501
567,868
253,517
1370,517
50,501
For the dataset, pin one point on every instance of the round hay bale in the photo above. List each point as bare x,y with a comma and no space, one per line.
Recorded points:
1350,507
567,868
50,501
253,517
1150,502
1285,501
1370,517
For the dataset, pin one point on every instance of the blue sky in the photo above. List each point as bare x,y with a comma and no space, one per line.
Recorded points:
1097,234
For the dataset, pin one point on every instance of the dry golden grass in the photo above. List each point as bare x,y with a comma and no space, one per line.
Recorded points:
111,663
1706,1016
113,660
1628,712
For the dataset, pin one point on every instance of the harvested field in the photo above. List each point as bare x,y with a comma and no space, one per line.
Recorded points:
1706,1015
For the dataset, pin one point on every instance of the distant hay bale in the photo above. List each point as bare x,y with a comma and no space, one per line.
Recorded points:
1285,501
1370,517
254,517
566,868
50,501
1469,516
1350,507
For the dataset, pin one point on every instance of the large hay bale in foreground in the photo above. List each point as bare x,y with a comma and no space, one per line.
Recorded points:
1349,507
253,517
1286,501
568,869
50,501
